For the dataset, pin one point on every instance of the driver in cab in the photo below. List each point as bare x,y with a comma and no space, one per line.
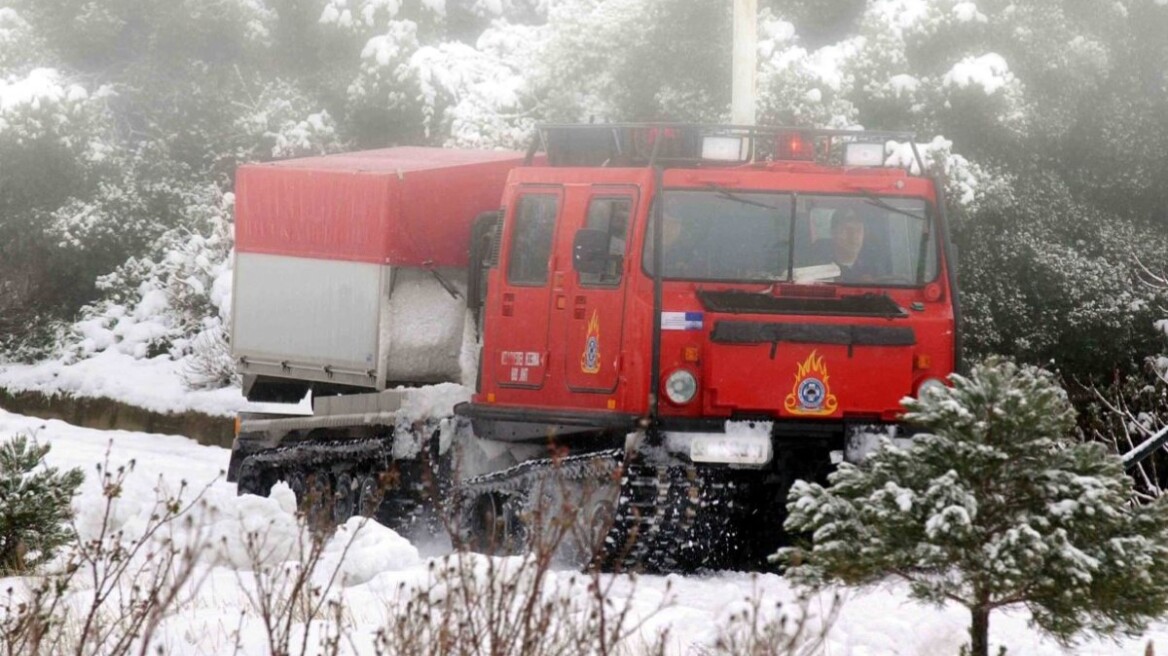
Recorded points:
845,247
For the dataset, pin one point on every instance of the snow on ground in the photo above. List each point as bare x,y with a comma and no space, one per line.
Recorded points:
871,623
154,384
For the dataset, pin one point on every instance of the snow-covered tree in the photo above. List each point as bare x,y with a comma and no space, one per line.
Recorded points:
1048,278
1052,117
35,505
801,87
636,60
997,505
116,117
54,139
282,121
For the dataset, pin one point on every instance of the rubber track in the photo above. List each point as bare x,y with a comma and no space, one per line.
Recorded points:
322,453
398,508
669,516
657,511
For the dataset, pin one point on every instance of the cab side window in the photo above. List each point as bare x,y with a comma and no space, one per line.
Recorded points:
610,215
531,239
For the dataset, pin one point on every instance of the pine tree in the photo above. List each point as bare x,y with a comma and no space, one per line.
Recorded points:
35,503
998,506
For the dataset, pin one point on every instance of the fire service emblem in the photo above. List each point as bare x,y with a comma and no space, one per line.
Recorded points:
590,358
811,394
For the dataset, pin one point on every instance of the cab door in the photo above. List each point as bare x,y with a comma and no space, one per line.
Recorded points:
521,355
595,300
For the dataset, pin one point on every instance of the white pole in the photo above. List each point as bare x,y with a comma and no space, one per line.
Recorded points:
745,61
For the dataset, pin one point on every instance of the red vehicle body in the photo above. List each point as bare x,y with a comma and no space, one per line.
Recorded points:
563,352
805,290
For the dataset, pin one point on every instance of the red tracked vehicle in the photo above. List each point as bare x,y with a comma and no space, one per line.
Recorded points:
806,289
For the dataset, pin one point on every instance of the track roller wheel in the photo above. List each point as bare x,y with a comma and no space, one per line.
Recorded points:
344,497
585,545
299,487
320,500
251,479
369,495
491,526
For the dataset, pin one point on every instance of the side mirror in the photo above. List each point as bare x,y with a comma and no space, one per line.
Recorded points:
484,249
590,251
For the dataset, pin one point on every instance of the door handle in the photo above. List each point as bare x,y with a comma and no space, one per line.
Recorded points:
579,304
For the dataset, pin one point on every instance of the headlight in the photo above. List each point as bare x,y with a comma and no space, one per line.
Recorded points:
929,385
681,387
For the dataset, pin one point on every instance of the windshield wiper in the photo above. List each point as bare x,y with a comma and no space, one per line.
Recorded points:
723,192
873,199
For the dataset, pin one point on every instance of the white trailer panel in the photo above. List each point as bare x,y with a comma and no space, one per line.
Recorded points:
307,310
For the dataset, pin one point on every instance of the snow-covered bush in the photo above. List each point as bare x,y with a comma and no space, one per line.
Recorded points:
1047,278
35,506
17,39
54,134
130,581
799,87
998,505
751,628
480,96
175,301
284,122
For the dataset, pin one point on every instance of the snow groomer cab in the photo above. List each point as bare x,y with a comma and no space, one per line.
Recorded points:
805,287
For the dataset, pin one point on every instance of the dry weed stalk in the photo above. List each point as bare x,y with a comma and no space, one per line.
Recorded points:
131,583
479,605
755,630
289,594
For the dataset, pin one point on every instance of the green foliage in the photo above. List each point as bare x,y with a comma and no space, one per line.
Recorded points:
1056,191
35,504
117,118
1073,127
163,301
637,60
996,506
819,22
1048,278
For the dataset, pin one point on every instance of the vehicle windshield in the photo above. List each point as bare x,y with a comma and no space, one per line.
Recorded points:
727,235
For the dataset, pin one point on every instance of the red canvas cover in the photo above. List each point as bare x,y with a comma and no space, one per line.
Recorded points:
405,206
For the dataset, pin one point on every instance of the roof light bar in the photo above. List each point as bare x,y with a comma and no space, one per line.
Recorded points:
794,146
726,149
864,154
691,144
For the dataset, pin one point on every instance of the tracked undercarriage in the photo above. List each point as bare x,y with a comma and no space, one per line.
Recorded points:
637,508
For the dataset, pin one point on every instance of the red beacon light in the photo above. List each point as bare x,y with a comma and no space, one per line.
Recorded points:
666,141
665,134
794,146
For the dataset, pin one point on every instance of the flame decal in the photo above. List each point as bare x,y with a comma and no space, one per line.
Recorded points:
811,394
590,358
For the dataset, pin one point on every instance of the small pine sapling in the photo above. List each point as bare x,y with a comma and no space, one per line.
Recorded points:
35,505
997,506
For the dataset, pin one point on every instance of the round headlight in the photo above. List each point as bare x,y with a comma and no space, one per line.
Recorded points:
928,386
681,387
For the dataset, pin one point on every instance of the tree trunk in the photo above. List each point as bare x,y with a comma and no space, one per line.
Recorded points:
979,631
